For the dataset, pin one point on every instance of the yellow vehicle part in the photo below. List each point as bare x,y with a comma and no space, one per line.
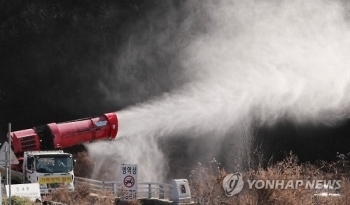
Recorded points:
55,179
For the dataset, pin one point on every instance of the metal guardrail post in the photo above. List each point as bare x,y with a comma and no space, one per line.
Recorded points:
149,191
114,188
161,192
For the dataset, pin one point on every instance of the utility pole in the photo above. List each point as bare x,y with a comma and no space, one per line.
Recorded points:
9,163
0,186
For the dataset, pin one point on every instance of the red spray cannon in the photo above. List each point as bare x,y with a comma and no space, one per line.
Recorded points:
66,134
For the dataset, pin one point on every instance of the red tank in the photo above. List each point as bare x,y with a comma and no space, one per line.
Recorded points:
65,134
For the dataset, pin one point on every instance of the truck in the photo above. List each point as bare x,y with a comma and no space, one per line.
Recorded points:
40,154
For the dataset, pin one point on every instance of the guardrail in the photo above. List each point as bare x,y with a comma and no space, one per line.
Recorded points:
153,190
149,190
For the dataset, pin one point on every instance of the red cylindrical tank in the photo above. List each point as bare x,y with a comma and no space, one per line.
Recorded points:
76,132
66,134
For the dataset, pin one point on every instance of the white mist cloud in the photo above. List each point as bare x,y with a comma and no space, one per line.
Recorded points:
271,59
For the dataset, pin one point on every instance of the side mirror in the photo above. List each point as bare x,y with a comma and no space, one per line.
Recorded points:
74,162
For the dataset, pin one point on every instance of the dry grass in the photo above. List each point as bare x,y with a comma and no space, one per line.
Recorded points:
206,183
84,165
82,195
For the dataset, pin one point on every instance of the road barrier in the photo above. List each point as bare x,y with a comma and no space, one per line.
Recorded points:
151,190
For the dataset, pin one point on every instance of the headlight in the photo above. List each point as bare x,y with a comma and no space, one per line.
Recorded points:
43,186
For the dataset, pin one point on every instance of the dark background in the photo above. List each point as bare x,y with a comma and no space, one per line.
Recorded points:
59,62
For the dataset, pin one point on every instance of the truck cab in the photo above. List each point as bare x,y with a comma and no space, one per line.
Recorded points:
48,168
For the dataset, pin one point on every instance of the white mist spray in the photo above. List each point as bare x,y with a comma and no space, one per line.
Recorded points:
272,59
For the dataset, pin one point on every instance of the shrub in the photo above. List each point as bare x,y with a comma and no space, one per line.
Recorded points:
82,196
84,165
17,200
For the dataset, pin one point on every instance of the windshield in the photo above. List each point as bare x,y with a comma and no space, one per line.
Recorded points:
53,163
